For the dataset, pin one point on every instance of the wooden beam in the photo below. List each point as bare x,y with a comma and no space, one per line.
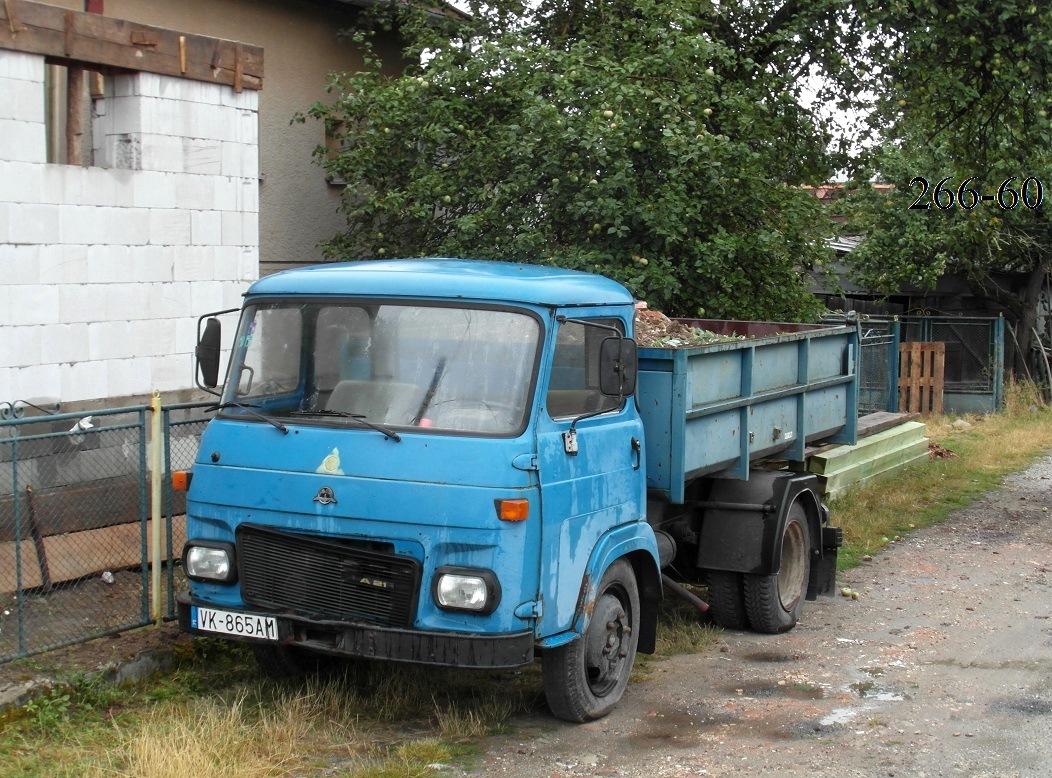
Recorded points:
90,39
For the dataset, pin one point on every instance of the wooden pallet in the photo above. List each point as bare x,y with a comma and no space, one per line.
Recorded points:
921,372
842,467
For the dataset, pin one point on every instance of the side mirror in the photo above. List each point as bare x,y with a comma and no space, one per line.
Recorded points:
618,365
208,353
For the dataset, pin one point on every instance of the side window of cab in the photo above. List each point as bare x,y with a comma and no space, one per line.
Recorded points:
573,389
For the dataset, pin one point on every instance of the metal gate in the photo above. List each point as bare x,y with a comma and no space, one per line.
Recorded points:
75,523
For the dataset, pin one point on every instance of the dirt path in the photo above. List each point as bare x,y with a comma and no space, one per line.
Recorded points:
943,667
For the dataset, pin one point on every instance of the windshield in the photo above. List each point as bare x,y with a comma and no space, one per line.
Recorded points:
458,369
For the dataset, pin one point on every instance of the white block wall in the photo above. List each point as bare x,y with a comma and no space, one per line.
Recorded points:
104,269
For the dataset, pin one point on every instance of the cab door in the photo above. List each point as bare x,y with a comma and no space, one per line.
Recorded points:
589,462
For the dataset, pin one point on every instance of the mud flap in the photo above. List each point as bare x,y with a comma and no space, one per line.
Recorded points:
823,571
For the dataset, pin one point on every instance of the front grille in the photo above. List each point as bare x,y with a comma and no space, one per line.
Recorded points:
325,578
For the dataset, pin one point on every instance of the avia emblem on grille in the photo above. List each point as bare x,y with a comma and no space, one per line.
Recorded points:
325,496
377,583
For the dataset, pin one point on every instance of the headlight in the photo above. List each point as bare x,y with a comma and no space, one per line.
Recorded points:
466,589
211,562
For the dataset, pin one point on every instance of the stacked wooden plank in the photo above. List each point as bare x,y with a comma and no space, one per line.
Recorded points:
887,443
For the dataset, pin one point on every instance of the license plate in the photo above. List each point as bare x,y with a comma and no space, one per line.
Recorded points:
244,625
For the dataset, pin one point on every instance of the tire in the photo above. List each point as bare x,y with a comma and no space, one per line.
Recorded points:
584,680
727,599
281,662
774,602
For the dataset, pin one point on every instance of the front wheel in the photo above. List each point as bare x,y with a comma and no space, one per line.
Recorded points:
585,679
774,602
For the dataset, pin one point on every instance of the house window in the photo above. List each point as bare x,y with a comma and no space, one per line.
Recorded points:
69,93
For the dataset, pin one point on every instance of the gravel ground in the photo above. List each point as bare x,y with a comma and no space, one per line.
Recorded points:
942,667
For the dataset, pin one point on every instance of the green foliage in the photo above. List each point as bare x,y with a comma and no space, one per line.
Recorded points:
659,143
965,94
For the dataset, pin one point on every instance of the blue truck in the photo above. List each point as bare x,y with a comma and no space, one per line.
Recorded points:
473,464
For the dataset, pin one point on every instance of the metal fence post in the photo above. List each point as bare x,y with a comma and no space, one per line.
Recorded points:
893,366
156,446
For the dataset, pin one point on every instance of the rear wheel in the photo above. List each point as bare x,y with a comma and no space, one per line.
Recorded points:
585,679
727,599
774,602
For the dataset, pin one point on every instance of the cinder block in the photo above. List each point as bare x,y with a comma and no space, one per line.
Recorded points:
110,339
202,156
247,99
233,160
162,152
126,301
154,189
124,115
132,227
128,376
201,92
21,182
207,296
247,127
233,229
172,372
250,228
233,296
249,263
120,151
227,263
153,263
249,195
250,160
24,346
186,333
33,222
5,309
83,381
154,337
169,227
169,301
83,224
6,390
82,302
35,304
23,141
227,193
194,192
148,84
195,263
19,265
26,67
23,100
206,228
61,264
36,381
165,117
104,187
5,222
109,264
64,343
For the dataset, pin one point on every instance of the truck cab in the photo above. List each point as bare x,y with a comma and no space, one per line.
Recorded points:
431,461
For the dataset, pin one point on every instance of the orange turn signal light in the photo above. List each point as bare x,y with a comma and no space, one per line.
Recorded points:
513,510
181,480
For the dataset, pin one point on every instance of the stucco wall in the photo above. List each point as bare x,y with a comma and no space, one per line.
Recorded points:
301,45
103,269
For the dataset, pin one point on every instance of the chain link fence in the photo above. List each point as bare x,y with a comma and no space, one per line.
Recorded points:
75,523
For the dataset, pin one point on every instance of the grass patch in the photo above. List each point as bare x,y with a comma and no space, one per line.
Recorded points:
987,449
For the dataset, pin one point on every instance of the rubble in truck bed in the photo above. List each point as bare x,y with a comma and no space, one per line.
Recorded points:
654,329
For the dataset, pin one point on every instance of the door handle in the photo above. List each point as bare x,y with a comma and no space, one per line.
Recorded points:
637,448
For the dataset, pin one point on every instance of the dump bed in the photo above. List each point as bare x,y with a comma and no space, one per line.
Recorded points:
713,409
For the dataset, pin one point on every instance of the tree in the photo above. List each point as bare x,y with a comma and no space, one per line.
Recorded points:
965,97
659,142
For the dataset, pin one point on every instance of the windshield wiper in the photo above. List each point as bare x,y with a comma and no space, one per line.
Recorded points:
358,417
249,409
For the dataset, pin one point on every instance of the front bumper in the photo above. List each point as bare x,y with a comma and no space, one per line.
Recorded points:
447,649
